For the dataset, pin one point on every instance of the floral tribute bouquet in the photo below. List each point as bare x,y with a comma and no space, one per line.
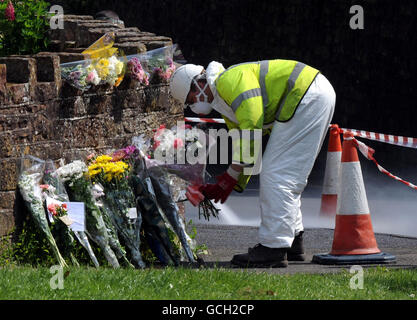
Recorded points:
103,65
158,234
136,71
32,171
182,151
162,69
79,186
119,201
59,211
55,195
154,66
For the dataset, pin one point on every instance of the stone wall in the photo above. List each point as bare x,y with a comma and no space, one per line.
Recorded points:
44,116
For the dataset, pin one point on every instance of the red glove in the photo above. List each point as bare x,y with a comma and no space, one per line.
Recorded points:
194,194
221,190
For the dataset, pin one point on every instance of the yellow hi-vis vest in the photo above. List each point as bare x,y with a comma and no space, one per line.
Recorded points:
259,93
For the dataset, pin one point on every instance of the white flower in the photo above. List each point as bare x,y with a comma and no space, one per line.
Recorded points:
97,191
28,183
72,171
115,66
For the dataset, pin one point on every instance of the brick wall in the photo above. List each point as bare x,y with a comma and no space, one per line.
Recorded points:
42,115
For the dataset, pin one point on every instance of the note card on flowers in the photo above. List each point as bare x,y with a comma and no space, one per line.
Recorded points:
76,212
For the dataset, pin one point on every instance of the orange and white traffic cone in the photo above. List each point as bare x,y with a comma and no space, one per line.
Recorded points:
354,240
331,174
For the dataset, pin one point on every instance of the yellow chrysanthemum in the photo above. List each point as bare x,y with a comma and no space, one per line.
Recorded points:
111,170
93,173
102,68
103,158
103,63
93,166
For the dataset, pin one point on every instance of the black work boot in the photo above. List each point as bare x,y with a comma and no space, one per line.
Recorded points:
262,257
296,252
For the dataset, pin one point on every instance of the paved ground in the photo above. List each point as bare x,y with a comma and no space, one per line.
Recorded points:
225,241
392,208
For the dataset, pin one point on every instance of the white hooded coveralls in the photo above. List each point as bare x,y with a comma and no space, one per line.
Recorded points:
288,159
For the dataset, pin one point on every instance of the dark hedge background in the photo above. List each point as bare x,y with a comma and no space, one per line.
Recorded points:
373,70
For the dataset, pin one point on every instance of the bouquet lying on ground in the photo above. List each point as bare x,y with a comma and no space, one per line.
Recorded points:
29,182
55,196
81,189
119,202
128,197
160,232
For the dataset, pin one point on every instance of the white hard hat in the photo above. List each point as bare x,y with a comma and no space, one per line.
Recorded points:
181,80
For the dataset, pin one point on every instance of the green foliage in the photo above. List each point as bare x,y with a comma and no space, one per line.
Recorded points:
28,33
31,247
6,252
205,284
201,248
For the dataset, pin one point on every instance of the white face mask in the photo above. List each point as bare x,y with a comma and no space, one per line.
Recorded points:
201,107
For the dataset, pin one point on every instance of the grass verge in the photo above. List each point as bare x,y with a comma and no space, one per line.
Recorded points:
379,283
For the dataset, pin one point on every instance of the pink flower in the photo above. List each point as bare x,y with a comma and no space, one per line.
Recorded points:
178,143
130,150
91,156
52,209
137,72
93,77
9,12
44,187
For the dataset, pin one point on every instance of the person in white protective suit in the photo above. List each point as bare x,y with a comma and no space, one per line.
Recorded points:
292,102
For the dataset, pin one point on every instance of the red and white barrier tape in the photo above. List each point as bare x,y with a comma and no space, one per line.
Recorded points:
369,154
387,138
363,148
209,120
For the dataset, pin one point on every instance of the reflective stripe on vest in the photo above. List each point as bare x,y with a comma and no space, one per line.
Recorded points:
262,75
291,83
264,66
243,96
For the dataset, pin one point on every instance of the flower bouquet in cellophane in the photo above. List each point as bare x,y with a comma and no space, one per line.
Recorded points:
80,189
30,179
158,231
119,202
181,151
103,64
152,67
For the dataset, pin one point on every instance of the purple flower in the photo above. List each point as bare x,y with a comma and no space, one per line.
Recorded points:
75,75
130,150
